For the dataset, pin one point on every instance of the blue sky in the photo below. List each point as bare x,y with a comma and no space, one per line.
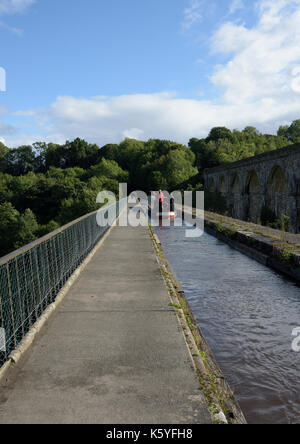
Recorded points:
105,70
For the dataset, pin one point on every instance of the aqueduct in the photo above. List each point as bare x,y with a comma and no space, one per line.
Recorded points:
270,180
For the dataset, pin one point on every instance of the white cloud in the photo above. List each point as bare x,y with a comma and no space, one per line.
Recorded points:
145,116
235,6
162,115
7,130
8,7
11,29
133,133
3,110
262,57
192,14
27,113
19,139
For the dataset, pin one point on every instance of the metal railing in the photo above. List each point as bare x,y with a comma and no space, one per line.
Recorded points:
32,277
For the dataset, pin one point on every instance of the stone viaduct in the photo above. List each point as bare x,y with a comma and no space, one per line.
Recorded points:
271,179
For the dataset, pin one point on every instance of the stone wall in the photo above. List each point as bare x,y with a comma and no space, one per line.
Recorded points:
270,180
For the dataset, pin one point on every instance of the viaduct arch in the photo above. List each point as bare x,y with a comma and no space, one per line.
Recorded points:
270,180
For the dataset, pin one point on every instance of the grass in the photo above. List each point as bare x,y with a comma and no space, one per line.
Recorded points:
175,306
203,356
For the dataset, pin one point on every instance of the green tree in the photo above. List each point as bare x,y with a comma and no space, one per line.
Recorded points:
48,228
291,133
53,156
79,153
28,228
283,131
109,169
252,131
179,168
3,153
205,153
219,133
5,192
110,152
294,132
129,152
157,181
75,207
9,227
19,161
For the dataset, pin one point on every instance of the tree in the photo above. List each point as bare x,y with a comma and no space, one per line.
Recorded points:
3,153
28,228
294,132
9,227
72,208
129,152
252,131
19,161
109,169
68,173
219,133
79,153
283,131
40,160
157,181
179,168
5,192
53,156
110,152
48,228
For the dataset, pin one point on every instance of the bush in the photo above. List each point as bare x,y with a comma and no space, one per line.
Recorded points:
269,219
267,216
283,223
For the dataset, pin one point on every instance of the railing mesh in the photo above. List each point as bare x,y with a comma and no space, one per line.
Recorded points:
32,277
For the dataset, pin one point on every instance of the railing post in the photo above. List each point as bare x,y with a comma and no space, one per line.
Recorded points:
38,277
28,317
33,287
20,297
48,270
2,325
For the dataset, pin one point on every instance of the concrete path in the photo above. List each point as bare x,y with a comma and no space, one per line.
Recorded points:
113,353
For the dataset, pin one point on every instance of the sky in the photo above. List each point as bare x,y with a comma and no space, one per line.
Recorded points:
170,69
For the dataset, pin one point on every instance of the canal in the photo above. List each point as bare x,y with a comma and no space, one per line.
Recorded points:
247,313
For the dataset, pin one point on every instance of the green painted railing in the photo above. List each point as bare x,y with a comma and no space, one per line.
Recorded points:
32,277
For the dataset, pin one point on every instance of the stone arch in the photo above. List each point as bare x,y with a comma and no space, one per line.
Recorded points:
235,196
253,197
222,188
211,185
277,192
235,187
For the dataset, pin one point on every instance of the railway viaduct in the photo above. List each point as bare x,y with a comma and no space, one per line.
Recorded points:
270,180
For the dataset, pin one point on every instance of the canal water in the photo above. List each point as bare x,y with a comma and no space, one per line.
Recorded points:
247,313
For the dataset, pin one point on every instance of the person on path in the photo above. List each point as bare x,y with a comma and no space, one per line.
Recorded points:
161,200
